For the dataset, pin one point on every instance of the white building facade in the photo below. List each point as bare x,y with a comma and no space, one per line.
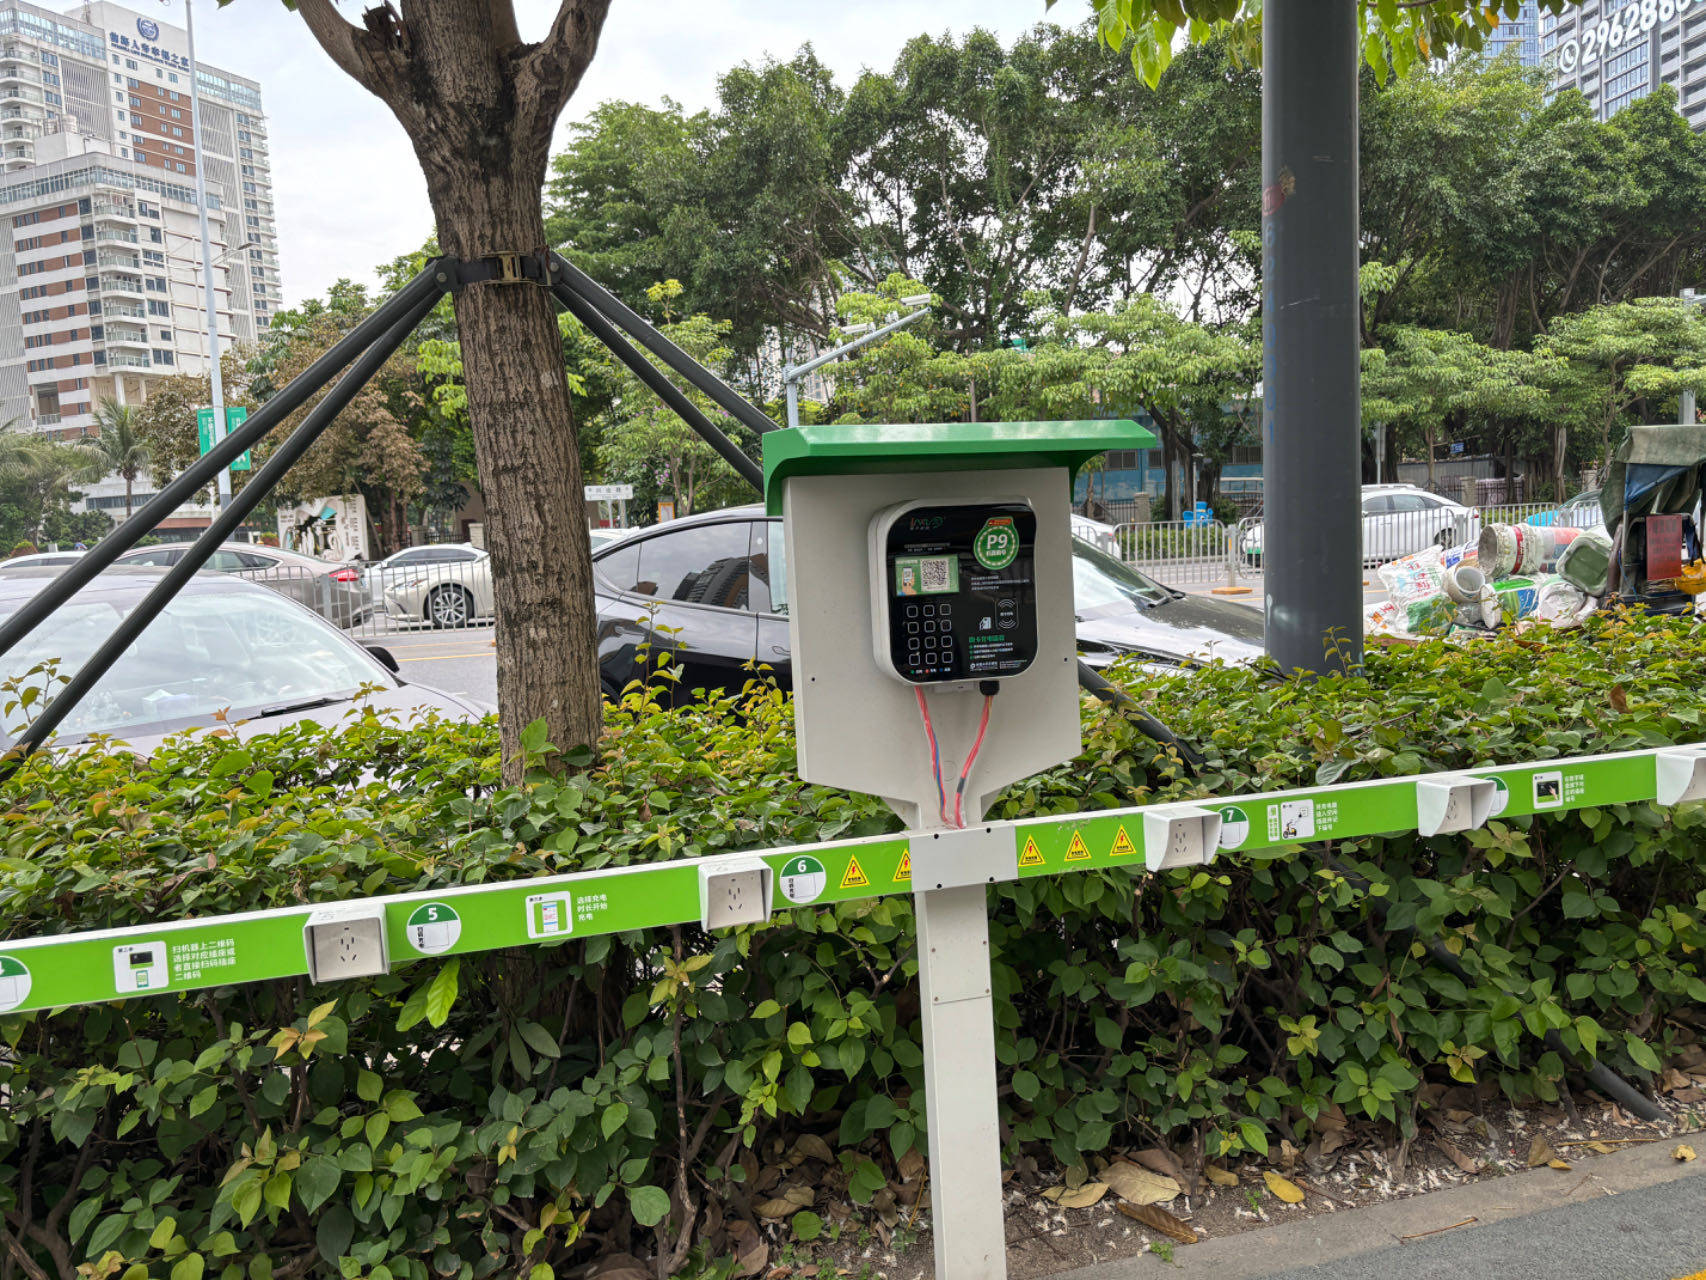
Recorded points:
1618,51
100,255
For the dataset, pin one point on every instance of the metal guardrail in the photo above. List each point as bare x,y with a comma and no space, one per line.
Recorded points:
1178,553
369,601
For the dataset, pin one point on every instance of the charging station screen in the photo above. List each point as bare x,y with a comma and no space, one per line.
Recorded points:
962,597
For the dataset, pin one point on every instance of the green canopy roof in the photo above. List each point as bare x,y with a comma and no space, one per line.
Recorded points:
872,448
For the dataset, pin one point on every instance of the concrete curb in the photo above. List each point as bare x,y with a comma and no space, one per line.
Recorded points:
1348,1233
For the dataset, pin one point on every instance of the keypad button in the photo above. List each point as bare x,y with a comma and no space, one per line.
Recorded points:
929,611
929,625
943,608
912,628
912,611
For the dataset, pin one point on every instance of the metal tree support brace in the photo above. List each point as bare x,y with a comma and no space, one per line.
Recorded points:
73,969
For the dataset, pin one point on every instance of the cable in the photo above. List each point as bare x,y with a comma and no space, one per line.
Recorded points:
935,754
989,688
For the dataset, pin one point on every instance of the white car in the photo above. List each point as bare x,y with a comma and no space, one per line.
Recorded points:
1098,535
446,584
44,560
1397,520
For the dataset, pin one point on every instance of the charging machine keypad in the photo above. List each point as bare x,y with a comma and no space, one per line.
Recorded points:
959,593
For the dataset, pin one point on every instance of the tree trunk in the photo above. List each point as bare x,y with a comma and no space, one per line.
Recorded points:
479,107
127,484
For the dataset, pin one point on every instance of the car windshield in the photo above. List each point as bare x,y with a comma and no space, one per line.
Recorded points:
250,652
1102,585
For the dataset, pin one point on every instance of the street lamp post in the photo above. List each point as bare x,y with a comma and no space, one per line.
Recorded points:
793,373
196,153
1690,298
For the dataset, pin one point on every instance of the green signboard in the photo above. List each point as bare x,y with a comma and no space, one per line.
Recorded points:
85,968
235,416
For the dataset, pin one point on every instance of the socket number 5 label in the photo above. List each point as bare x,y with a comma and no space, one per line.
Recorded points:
433,928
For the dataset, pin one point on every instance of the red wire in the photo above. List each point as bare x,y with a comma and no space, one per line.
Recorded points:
935,754
960,790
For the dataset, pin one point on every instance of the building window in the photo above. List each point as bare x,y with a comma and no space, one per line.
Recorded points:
158,308
166,336
165,357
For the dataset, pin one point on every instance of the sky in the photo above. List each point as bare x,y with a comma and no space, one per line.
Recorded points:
348,192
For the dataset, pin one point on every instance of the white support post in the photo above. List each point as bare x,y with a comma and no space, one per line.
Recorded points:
966,1209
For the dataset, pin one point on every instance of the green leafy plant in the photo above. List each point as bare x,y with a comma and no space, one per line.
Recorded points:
527,1109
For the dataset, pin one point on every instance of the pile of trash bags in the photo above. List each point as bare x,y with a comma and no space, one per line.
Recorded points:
1514,575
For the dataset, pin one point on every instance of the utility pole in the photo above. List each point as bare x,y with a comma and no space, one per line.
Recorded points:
214,377
1685,401
1311,404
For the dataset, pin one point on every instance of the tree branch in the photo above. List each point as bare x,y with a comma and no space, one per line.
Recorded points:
550,73
339,38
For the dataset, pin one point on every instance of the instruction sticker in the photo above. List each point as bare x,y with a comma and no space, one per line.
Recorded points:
1122,847
550,915
1548,790
433,928
903,873
803,879
1292,820
139,966
854,877
1077,851
1032,856
1501,798
1234,827
14,983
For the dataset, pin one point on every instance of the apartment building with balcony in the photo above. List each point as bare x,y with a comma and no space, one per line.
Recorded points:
1618,51
100,255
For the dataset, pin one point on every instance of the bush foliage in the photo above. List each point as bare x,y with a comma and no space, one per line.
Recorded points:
516,1112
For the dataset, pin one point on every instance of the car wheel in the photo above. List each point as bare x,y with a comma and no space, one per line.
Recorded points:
449,606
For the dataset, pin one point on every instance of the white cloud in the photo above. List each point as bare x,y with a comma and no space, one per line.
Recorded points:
347,188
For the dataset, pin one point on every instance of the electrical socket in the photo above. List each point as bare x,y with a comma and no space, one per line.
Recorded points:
1180,836
1681,775
734,891
1453,803
346,942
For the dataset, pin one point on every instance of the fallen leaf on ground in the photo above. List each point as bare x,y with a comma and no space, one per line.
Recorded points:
1159,1160
1558,1164
1541,1151
1139,1185
1158,1219
1674,1080
1683,1152
789,1201
1079,1197
1220,1177
1600,1148
750,1250
1288,1155
912,1164
811,1147
1466,1163
1284,1188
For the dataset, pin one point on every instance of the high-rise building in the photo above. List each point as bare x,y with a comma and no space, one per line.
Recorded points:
1617,51
1521,33
100,253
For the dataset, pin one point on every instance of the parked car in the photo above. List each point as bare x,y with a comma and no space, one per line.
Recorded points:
221,644
331,590
44,560
1397,520
1096,533
701,587
447,584
1580,512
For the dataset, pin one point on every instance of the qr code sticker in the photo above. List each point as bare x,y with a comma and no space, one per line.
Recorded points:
935,576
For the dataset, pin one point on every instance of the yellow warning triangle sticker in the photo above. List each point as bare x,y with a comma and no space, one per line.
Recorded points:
1077,851
903,873
855,877
1123,847
1032,856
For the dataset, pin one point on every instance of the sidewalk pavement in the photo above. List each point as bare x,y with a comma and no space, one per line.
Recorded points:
1638,1214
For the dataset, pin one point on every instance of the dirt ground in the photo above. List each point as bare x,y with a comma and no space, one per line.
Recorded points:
1463,1138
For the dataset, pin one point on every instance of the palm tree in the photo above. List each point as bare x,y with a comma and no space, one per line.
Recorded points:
44,467
119,446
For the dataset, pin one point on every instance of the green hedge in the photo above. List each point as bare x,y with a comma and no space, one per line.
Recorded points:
516,1113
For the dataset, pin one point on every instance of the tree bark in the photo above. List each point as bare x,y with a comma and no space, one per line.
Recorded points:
479,107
